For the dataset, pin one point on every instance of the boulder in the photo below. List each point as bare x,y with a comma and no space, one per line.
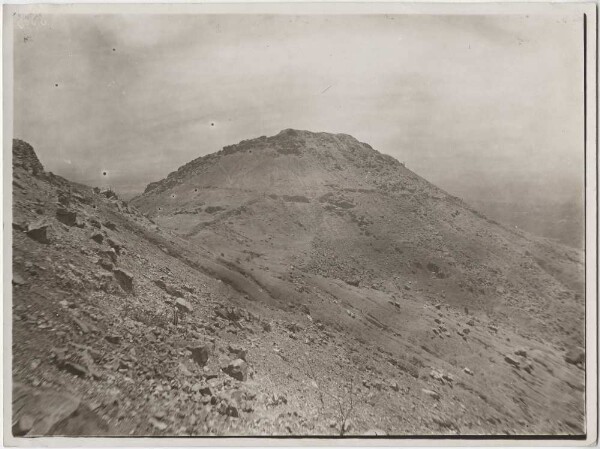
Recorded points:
114,339
239,352
529,367
81,198
110,225
21,227
124,278
189,288
111,254
64,199
304,309
83,326
97,237
74,368
66,216
228,313
355,282
173,291
238,369
521,352
183,306
39,231
168,288
18,279
115,244
48,412
431,394
202,388
160,425
200,354
105,263
508,359
23,425
437,375
575,356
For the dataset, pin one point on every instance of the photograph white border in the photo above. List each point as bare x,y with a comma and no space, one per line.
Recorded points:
274,7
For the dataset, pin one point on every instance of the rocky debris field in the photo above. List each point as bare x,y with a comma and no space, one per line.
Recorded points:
347,309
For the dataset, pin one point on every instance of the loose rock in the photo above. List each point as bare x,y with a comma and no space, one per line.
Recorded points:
238,351
18,279
97,237
39,231
431,394
200,354
124,278
511,361
238,369
183,306
66,216
575,356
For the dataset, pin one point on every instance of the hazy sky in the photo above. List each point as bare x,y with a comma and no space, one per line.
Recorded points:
480,105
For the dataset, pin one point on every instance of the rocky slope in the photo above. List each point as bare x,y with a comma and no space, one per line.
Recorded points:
298,284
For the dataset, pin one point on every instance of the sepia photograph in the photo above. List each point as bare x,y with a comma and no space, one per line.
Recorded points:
369,222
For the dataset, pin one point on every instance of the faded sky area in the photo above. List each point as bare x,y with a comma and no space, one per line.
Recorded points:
483,106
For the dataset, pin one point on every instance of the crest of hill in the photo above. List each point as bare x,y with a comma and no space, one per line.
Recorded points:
313,156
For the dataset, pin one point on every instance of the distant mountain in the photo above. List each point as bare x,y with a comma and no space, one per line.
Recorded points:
562,221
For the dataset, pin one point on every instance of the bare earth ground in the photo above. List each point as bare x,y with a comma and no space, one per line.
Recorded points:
301,284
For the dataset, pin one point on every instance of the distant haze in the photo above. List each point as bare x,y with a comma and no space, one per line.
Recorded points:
486,107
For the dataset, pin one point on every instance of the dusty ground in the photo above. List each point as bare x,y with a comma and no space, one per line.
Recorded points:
302,284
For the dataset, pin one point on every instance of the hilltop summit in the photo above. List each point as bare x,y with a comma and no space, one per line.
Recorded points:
298,157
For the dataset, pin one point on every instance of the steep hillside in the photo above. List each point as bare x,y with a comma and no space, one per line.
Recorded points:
333,207
324,221
299,284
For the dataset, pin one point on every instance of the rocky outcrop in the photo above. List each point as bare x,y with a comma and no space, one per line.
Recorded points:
48,412
24,157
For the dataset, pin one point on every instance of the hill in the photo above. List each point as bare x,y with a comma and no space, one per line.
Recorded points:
299,284
334,207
